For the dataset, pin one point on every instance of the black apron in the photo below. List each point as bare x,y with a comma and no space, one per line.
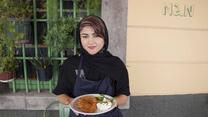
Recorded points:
83,86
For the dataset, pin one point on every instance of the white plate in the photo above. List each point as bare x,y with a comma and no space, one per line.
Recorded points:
75,109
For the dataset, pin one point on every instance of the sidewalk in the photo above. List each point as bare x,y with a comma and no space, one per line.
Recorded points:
27,101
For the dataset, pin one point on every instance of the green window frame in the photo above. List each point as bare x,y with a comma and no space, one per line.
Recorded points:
26,74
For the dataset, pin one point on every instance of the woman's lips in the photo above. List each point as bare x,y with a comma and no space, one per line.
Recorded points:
91,47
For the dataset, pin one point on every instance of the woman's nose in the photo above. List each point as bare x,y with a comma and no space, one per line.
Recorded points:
91,40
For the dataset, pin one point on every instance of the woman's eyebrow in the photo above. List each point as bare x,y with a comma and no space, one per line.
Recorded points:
84,34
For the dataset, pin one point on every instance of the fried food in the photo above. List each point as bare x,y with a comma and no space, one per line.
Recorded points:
87,104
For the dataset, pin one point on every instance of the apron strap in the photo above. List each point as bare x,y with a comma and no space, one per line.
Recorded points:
80,66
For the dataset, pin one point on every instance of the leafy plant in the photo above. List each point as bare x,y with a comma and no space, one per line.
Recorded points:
52,11
14,12
43,67
41,6
8,36
18,9
41,62
60,35
94,6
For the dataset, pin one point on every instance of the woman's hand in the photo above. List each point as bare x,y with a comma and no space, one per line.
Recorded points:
121,99
64,99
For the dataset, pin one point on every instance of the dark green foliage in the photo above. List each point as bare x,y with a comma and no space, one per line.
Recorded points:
8,36
41,62
10,12
60,35
17,9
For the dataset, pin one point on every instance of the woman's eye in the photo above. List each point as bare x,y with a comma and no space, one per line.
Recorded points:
84,36
95,35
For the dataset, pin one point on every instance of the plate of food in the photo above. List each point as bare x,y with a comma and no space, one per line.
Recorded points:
93,104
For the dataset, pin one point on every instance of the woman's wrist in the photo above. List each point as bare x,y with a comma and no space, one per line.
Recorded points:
64,99
121,99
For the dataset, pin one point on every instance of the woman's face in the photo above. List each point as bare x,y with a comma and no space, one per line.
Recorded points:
90,41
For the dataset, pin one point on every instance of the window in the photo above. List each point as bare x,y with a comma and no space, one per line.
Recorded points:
35,30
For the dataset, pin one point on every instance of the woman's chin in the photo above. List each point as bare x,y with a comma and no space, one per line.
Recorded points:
92,52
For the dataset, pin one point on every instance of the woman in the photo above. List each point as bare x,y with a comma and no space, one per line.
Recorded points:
95,70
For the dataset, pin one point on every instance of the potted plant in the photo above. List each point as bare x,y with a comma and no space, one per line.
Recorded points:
59,37
11,11
43,67
7,68
8,62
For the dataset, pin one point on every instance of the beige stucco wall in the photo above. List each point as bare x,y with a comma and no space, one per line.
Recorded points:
167,53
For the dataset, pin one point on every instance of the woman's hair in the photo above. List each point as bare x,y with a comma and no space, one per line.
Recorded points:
98,25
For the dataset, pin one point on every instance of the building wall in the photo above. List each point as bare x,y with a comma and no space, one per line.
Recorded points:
167,47
114,13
